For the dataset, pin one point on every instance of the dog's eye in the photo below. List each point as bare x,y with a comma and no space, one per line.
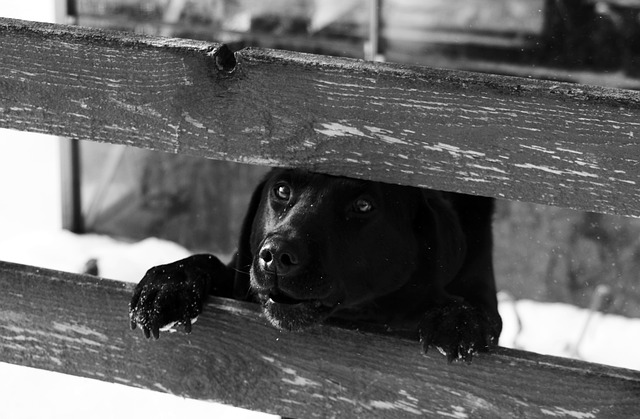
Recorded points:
282,191
363,205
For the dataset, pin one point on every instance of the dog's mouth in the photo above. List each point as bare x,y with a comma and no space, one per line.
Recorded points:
280,297
293,314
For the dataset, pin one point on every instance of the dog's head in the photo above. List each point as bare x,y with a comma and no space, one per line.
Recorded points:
319,244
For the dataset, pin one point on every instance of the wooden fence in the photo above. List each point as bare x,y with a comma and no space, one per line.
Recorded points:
552,143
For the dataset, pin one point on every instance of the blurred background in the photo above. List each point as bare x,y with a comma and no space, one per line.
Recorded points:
64,192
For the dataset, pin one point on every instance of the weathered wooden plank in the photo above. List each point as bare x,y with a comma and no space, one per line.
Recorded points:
544,142
78,325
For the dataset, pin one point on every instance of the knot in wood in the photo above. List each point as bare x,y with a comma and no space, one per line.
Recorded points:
224,59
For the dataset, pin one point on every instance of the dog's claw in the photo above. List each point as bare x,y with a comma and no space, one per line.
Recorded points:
458,331
170,294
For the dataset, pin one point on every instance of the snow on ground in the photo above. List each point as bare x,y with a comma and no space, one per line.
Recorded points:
65,251
568,331
29,393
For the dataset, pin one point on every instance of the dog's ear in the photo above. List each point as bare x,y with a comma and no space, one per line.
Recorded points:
441,229
244,257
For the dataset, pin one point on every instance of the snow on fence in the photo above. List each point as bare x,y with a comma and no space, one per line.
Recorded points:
545,142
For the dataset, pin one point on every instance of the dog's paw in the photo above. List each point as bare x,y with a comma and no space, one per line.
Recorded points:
168,295
459,330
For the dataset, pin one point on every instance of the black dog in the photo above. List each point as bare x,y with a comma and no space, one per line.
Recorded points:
316,246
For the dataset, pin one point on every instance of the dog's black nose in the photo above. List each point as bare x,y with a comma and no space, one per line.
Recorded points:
278,257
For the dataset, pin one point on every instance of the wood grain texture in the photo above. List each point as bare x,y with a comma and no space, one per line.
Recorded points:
78,325
552,143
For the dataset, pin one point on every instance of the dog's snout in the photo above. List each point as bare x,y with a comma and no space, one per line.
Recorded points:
278,258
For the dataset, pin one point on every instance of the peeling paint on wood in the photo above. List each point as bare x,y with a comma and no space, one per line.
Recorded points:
564,413
521,139
233,356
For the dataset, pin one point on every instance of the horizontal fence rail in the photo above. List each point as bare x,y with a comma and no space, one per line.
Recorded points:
78,325
553,143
